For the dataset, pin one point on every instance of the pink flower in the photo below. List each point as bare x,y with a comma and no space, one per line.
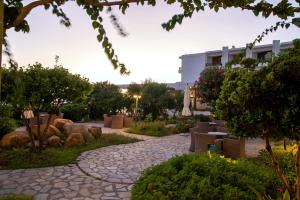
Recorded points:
279,189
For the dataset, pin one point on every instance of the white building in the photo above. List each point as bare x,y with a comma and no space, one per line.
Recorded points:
193,64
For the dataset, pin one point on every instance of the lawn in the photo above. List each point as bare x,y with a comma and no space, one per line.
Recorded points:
16,197
25,158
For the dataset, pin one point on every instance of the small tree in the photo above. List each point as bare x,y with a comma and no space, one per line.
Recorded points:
265,103
106,98
208,87
43,89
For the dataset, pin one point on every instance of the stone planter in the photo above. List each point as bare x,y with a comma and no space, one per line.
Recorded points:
107,120
128,122
117,122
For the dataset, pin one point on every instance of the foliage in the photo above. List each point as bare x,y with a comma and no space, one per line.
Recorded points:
25,158
7,124
74,112
264,101
286,160
16,197
209,84
157,97
106,98
202,118
204,176
48,87
156,128
15,13
42,88
134,89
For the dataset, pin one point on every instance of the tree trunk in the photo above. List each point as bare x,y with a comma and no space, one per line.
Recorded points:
25,121
48,124
39,132
1,40
276,166
297,185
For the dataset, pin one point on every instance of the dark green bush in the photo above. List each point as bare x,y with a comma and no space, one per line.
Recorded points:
205,176
75,112
7,124
202,118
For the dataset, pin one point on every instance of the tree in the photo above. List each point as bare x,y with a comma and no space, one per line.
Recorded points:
156,98
208,86
265,103
106,98
134,89
43,89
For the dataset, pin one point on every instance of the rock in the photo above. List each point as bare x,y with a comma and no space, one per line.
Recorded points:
52,130
54,141
15,139
170,125
95,131
74,139
78,128
60,123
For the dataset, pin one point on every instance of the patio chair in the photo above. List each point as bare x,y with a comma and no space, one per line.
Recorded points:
202,140
234,147
203,129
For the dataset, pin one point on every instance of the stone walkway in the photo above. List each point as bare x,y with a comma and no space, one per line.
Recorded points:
105,173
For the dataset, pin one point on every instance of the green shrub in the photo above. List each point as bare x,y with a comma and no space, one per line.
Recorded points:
202,118
286,159
155,128
75,112
205,176
7,124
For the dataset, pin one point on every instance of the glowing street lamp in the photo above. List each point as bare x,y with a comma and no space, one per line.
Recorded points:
136,97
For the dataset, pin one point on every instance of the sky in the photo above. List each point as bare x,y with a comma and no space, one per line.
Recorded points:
148,51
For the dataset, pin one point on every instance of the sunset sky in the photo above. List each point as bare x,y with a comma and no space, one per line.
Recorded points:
148,51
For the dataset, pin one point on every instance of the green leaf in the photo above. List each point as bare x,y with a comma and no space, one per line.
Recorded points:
296,21
95,24
286,195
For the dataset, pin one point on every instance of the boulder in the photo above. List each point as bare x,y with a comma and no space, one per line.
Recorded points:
78,128
15,139
74,139
95,131
54,141
52,130
60,123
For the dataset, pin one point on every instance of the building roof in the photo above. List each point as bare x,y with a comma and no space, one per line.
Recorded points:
235,50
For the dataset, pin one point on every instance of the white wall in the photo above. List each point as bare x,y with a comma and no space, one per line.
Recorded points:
192,65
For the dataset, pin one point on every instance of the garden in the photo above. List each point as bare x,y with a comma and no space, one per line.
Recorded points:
254,102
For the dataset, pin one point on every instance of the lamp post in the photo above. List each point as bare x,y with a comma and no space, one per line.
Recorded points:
136,97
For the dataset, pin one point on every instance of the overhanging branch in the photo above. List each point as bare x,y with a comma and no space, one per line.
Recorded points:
27,9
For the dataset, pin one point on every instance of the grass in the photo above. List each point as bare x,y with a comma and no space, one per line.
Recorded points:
16,197
152,129
25,158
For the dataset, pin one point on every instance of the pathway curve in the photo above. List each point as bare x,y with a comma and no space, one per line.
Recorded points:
125,163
